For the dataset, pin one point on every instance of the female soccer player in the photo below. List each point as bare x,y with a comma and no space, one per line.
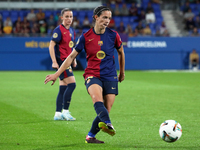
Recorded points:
60,47
100,75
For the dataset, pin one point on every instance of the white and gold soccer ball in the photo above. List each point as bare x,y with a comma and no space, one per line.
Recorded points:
170,131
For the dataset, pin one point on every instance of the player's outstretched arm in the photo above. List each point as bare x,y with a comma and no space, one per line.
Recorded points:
121,58
63,67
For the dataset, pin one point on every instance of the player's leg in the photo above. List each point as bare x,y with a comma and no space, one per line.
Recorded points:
109,101
110,89
68,80
95,90
90,138
59,102
94,87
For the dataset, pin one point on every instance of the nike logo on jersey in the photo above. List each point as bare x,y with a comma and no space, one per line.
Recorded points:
91,39
65,32
113,88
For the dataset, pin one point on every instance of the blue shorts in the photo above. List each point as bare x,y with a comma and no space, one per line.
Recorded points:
67,73
109,87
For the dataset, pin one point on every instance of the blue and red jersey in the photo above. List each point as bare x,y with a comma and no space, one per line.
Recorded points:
100,53
64,39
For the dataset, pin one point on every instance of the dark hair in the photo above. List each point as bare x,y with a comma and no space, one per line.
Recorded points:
64,10
98,10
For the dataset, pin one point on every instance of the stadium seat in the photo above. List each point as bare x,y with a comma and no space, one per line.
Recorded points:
89,13
5,14
80,18
134,25
117,20
156,7
193,7
133,19
75,13
82,14
48,13
152,26
125,20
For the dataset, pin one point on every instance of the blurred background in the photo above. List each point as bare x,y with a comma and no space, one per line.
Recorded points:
156,34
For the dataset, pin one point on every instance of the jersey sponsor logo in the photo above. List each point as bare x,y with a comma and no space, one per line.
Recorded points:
71,44
113,88
65,32
90,39
55,35
101,54
70,35
100,43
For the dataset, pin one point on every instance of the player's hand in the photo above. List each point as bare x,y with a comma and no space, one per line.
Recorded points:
121,77
50,77
74,63
55,66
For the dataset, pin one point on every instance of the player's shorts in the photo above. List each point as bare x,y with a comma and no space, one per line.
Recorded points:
109,87
67,73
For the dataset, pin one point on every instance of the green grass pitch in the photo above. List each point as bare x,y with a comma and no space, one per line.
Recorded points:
145,100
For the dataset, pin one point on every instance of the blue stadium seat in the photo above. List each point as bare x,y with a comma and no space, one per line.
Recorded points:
125,20
133,19
158,14
134,25
22,14
81,20
75,13
112,6
145,3
159,21
152,26
196,12
56,12
14,15
82,13
5,14
48,13
156,7
117,20
193,7
89,13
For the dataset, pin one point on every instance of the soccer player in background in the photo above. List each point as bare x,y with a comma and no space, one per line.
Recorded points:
100,76
61,45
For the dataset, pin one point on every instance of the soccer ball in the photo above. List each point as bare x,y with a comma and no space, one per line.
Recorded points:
170,131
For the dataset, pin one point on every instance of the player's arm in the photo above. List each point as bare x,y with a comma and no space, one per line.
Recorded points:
63,67
52,54
74,63
121,58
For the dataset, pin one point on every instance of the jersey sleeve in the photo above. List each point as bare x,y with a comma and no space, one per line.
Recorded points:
80,44
118,41
56,35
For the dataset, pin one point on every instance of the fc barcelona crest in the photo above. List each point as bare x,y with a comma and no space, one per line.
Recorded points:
100,43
